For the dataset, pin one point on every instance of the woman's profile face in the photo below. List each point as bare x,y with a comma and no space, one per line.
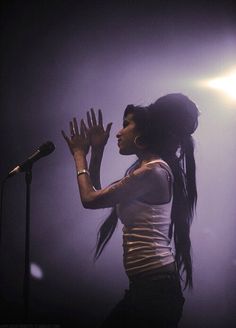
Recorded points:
127,135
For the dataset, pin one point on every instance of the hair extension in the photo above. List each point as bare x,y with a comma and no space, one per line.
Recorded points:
105,232
184,202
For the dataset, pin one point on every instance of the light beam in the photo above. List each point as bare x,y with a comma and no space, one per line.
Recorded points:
226,84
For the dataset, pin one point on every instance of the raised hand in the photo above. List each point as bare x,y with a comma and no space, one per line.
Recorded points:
78,140
98,136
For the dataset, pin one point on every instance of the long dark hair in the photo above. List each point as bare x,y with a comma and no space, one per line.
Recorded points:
166,128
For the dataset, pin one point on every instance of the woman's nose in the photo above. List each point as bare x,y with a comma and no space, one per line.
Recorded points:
118,135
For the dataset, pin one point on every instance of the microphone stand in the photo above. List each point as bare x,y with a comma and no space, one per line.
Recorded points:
26,286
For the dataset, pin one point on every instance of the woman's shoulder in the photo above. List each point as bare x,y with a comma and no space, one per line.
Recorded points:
159,168
151,172
159,179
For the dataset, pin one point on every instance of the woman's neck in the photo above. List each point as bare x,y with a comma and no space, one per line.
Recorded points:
146,157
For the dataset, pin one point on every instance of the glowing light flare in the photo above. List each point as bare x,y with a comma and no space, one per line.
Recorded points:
227,84
36,271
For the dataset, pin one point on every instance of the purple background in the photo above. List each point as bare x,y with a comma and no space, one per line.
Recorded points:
60,58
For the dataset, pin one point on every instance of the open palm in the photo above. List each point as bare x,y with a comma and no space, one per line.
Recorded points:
98,136
78,140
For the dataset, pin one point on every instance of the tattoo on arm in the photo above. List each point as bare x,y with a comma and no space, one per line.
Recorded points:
119,184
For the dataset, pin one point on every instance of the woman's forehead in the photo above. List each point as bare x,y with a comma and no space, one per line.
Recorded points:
129,117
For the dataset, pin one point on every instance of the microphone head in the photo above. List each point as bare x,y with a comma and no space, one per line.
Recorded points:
46,148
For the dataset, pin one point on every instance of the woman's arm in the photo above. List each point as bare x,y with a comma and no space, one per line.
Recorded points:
79,143
94,167
141,181
98,137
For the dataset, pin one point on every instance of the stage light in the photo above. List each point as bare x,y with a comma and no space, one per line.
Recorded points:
226,84
36,271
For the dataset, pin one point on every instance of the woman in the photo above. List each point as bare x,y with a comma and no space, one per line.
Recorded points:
155,201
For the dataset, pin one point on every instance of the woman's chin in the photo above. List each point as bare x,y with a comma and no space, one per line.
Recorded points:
123,151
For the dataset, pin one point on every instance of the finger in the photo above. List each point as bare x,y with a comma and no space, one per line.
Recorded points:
108,128
65,136
82,130
100,120
72,132
84,127
89,120
68,141
76,129
93,117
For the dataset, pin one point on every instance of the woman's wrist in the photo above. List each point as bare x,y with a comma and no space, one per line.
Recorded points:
80,160
97,150
79,153
96,157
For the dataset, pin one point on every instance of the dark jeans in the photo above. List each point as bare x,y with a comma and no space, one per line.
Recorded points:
151,302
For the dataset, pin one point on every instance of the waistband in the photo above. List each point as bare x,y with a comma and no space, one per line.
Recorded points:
160,276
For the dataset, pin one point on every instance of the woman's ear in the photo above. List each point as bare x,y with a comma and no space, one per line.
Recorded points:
140,142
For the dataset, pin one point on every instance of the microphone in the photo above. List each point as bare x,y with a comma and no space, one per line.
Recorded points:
44,150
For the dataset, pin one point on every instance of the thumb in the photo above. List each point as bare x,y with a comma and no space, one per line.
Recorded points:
64,136
67,141
108,128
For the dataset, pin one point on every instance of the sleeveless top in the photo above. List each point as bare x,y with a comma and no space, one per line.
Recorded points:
146,244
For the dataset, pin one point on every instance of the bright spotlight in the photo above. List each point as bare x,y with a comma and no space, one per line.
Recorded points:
36,271
226,83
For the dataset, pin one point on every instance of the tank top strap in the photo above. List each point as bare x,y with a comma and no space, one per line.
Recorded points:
161,161
166,166
158,161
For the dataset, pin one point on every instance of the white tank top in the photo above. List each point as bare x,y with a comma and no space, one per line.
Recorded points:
146,243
